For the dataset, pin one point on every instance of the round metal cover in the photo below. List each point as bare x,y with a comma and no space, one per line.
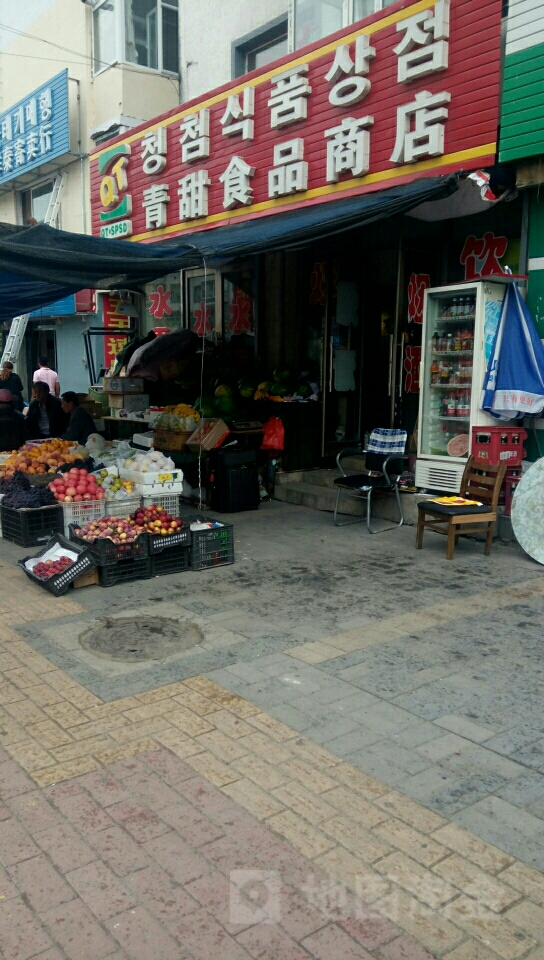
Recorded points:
141,638
528,511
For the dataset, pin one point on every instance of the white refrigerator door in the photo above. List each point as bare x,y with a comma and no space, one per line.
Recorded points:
490,301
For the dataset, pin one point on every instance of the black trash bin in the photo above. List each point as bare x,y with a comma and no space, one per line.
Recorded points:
234,481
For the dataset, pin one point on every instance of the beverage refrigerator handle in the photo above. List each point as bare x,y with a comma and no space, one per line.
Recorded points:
390,378
331,362
401,366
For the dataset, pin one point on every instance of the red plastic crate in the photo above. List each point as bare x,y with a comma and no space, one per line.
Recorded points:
492,446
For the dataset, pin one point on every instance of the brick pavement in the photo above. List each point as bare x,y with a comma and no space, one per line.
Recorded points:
183,822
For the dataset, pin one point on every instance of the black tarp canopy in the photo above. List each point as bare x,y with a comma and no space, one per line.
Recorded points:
39,265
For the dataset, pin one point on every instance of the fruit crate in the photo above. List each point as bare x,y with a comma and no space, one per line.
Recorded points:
492,446
133,568
175,560
80,513
122,508
84,562
107,552
211,548
158,543
31,526
169,502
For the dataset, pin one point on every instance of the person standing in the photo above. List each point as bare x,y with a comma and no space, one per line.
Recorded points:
12,424
45,416
11,381
44,374
81,423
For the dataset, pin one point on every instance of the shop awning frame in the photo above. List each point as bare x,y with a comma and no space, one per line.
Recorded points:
39,265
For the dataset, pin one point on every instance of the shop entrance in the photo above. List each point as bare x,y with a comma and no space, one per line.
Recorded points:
40,342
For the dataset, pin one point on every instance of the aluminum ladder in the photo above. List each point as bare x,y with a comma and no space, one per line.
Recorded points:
18,327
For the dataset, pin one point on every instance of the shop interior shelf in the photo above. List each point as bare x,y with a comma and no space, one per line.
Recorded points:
466,319
451,386
459,419
451,353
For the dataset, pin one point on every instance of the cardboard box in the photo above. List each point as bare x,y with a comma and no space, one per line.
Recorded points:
208,435
123,385
91,406
170,440
131,402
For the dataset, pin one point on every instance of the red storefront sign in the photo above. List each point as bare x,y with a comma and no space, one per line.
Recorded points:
111,318
406,93
480,256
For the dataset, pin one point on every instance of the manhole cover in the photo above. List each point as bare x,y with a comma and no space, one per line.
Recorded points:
145,638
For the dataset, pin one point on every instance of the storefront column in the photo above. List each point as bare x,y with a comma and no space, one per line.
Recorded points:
535,292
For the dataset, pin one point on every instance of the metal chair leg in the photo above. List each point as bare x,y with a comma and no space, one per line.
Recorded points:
392,526
344,523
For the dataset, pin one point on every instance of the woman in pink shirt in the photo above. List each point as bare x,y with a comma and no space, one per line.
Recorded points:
44,374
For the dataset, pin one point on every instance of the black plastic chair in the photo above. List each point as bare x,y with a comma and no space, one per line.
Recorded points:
382,474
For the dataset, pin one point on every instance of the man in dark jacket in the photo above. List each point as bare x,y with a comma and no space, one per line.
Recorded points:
45,416
12,424
81,423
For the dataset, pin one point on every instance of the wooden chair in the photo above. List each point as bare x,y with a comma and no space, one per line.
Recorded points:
474,486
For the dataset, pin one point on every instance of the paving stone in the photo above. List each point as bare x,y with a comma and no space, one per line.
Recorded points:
33,811
119,850
404,948
79,934
176,857
13,781
101,890
15,843
200,934
265,942
489,891
21,935
507,939
190,824
332,943
164,897
465,728
65,847
142,937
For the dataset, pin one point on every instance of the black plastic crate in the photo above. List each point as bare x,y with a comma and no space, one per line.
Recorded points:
58,584
158,543
175,560
108,552
211,548
125,570
31,526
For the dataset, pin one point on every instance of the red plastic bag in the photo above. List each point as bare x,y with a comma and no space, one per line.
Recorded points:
274,435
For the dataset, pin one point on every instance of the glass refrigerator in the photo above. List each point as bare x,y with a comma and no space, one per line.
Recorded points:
459,325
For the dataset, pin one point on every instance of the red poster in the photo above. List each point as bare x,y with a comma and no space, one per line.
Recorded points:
111,318
409,92
412,362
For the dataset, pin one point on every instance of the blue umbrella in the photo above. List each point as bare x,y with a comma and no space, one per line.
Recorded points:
514,381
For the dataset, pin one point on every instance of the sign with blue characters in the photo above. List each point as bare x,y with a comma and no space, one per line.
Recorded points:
35,130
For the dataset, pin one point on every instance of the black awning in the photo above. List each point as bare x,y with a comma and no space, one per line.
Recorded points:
39,265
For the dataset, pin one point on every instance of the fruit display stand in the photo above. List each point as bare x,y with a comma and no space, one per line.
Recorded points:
122,507
57,547
169,502
107,552
80,513
31,526
125,571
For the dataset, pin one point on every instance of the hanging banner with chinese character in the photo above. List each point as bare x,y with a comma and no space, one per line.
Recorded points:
409,92
112,318
412,362
35,130
419,282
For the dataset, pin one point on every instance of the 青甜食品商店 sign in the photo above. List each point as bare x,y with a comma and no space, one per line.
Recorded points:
404,93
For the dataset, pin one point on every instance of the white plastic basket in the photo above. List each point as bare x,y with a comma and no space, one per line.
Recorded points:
122,508
151,479
169,503
81,513
158,489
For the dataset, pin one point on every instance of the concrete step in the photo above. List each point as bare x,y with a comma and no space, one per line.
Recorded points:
318,496
321,477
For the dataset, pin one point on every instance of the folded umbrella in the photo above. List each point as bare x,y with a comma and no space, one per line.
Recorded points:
514,381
